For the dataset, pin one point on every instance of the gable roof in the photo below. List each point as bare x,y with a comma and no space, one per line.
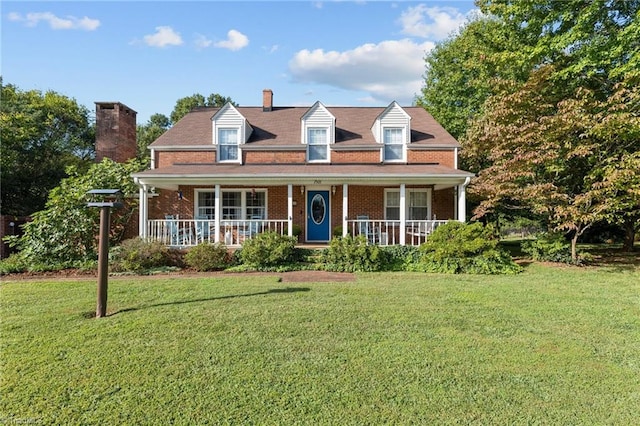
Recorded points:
282,126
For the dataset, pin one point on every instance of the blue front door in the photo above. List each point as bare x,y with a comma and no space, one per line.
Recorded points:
318,217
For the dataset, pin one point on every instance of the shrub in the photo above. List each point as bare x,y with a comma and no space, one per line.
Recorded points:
208,257
13,264
349,254
138,255
548,246
397,258
458,247
268,249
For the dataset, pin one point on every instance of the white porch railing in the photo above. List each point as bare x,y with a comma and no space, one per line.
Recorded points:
387,232
190,232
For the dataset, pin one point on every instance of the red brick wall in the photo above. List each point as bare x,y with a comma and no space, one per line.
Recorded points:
443,204
446,158
168,158
355,157
115,132
270,157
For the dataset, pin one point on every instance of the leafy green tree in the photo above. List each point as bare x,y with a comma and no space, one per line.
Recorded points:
64,234
461,72
149,132
42,134
186,104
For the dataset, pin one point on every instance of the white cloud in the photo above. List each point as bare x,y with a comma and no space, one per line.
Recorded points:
387,71
435,23
67,23
202,42
163,37
235,41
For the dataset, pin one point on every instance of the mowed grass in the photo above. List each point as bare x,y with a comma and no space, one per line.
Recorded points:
548,346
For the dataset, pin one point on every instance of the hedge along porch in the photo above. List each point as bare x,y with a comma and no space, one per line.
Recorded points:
226,174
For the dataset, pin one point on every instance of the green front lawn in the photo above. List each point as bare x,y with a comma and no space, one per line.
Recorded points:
548,346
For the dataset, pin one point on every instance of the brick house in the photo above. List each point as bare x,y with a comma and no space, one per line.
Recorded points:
226,174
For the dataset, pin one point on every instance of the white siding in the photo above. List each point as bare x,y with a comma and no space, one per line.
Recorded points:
318,116
229,118
393,116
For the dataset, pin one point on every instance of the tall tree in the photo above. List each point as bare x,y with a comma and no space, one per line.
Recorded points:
42,134
461,72
557,152
186,104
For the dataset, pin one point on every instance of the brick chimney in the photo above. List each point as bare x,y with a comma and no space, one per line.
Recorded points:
115,132
267,100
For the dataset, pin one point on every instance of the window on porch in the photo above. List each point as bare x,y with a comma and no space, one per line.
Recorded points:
418,204
236,204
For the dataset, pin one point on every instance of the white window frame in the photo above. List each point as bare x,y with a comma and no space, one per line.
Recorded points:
196,202
236,144
244,193
408,206
386,143
324,143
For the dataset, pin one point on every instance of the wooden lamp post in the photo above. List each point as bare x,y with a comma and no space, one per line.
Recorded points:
110,198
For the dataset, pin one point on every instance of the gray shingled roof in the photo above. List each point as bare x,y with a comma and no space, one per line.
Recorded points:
281,127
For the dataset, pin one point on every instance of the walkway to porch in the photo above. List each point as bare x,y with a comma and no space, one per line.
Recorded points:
189,232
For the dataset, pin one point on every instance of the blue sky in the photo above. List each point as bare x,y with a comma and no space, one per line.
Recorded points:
149,54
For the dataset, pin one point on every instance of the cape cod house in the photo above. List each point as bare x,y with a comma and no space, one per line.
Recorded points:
227,174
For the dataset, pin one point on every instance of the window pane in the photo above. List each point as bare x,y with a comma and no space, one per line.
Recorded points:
232,205
393,136
418,198
206,205
228,136
393,152
317,136
393,213
393,199
392,209
256,205
317,152
228,152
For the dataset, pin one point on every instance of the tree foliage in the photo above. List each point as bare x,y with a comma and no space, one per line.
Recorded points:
186,104
559,153
149,132
42,134
64,234
461,72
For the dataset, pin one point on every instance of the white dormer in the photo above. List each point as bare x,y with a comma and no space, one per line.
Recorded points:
318,132
392,129
230,131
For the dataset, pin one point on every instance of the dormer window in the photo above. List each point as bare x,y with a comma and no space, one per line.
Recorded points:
317,144
393,140
228,144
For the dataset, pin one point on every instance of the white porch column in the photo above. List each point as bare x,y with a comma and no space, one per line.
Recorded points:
403,215
462,202
345,209
143,211
217,212
290,210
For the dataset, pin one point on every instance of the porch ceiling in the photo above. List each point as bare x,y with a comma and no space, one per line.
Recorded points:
302,174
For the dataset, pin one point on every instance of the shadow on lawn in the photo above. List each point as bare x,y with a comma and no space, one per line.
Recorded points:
208,299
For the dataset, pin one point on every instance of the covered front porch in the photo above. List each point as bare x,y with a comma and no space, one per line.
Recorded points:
400,205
